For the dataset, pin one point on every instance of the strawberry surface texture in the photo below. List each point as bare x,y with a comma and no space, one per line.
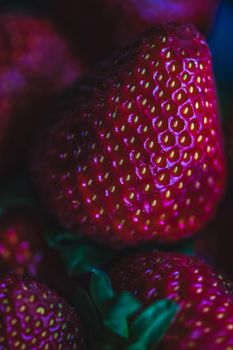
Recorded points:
33,317
205,319
36,62
135,153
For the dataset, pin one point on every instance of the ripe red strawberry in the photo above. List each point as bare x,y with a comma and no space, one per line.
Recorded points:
34,317
205,319
136,153
35,63
23,248
108,24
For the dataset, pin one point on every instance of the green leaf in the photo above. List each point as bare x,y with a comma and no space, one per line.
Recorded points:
80,256
101,289
98,337
118,321
124,306
149,327
114,309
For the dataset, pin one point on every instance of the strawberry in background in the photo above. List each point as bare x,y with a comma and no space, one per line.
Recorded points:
104,25
136,153
35,63
23,248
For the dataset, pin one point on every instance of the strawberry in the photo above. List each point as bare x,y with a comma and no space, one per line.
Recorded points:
108,24
23,248
135,154
34,317
205,318
35,63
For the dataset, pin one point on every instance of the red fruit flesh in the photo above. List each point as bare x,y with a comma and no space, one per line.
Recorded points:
136,153
33,317
23,248
104,25
205,319
35,64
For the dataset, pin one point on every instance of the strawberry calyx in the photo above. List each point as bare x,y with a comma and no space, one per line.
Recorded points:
119,320
80,256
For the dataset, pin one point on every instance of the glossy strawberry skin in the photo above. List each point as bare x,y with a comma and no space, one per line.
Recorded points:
111,23
23,248
205,319
34,317
35,64
136,153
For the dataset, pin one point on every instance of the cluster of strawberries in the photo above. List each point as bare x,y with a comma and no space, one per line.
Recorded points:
127,160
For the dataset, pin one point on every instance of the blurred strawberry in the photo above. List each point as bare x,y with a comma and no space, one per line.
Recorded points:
23,248
136,153
103,25
35,64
